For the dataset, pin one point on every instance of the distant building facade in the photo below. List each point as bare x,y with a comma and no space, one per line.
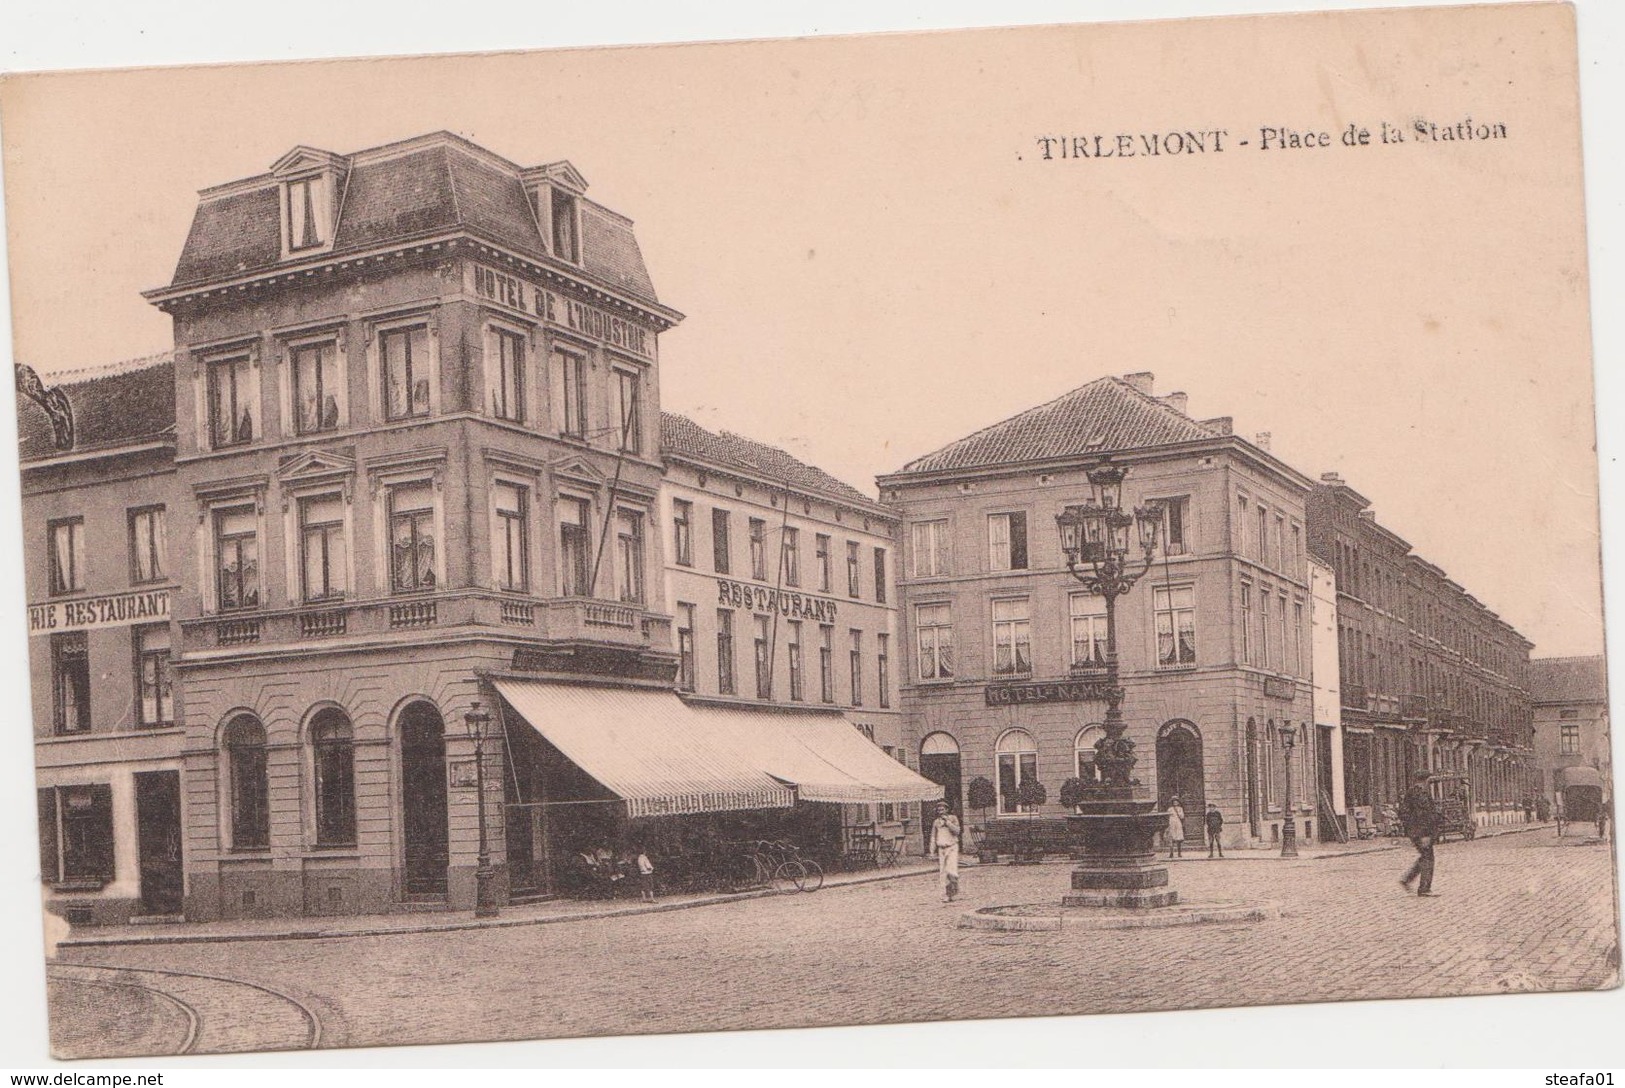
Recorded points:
1429,678
1005,650
98,502
1572,738
780,581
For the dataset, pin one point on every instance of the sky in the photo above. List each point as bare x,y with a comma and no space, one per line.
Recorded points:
869,272
874,257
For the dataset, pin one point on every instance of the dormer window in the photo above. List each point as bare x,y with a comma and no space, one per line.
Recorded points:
566,238
305,212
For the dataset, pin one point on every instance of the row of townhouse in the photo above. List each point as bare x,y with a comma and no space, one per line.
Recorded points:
403,493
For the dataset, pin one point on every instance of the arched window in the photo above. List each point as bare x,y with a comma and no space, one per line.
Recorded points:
250,791
333,750
1017,755
1084,753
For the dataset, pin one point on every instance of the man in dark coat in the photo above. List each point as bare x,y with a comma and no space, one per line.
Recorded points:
1421,820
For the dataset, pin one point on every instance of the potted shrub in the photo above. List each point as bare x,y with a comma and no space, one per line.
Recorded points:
1071,795
1029,796
981,796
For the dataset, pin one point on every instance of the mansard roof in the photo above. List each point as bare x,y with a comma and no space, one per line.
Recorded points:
681,437
1106,415
126,404
400,193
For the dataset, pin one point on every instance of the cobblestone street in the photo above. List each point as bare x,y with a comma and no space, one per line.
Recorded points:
1516,913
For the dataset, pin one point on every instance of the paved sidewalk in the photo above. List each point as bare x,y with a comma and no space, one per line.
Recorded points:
372,925
1317,851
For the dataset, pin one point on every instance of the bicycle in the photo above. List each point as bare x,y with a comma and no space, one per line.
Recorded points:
790,868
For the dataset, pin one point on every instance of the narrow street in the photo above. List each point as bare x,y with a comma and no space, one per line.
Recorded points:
1521,912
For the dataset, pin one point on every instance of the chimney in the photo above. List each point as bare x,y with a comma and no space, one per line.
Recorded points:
1335,479
1262,440
1177,401
1220,425
1141,381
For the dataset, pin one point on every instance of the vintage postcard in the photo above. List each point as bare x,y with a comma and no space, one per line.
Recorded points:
975,524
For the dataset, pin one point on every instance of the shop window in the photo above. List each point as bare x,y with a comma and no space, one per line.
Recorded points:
1017,755
148,544
152,680
333,756
934,630
67,555
1007,541
324,567
405,356
76,833
317,386
237,558
250,787
411,538
70,682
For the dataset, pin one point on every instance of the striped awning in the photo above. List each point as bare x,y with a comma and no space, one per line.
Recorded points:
665,756
646,747
822,754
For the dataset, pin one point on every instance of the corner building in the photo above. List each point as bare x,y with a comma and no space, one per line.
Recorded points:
416,423
1005,650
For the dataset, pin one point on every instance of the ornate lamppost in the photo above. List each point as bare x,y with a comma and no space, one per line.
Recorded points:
1289,821
485,901
1116,824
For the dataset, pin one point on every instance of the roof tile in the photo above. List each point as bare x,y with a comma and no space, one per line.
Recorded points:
680,435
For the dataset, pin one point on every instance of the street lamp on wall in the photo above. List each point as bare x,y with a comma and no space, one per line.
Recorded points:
485,903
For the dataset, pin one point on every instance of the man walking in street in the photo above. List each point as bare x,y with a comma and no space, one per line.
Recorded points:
945,848
1421,821
1215,827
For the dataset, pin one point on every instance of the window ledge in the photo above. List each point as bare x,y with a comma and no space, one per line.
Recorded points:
81,884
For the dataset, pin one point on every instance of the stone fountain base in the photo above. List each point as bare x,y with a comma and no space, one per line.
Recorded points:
1118,831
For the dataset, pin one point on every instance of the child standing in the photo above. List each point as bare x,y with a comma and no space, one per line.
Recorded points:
1215,828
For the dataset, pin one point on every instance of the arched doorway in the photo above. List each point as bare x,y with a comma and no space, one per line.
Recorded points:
939,762
1179,772
423,799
